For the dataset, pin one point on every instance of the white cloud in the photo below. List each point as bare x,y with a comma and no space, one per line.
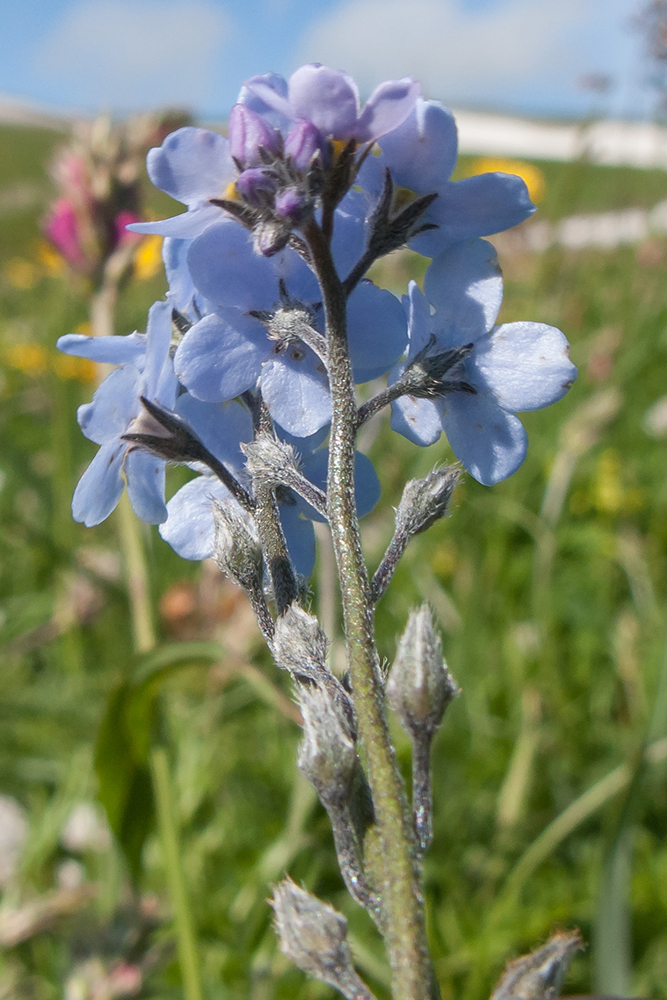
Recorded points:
126,54
512,49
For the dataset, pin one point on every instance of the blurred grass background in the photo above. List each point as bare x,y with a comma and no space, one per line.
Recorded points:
549,773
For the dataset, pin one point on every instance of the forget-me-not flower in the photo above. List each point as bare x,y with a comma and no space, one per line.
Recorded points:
510,368
145,370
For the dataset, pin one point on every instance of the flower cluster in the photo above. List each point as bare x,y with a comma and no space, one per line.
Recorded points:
239,347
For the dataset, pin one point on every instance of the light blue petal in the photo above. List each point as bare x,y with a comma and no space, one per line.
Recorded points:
419,420
377,331
221,427
106,350
466,287
114,405
101,485
300,538
327,97
525,365
220,357
420,323
228,272
349,235
192,165
190,528
387,107
421,153
296,391
475,206
185,226
145,485
489,442
158,341
366,483
305,446
267,95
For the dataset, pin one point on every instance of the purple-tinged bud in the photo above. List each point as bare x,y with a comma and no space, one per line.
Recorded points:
255,186
291,204
303,142
247,133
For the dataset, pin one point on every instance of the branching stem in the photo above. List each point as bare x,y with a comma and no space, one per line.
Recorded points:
402,905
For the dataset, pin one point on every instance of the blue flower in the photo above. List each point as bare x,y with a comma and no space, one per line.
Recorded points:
222,428
421,154
227,351
511,368
146,370
329,100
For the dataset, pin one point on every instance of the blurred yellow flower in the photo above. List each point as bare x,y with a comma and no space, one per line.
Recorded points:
528,172
148,258
50,259
21,274
35,359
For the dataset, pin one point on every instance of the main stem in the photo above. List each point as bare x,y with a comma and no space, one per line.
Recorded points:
402,903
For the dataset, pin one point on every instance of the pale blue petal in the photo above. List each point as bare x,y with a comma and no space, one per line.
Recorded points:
296,391
101,485
328,98
475,206
525,365
371,175
489,442
421,153
305,446
220,357
300,538
106,350
228,272
145,485
419,420
181,287
466,287
277,88
349,235
420,324
221,427
158,340
387,107
190,528
114,405
185,226
377,331
192,165
366,483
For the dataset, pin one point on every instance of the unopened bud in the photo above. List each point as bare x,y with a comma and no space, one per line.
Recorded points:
539,976
327,755
300,645
314,936
426,500
256,187
248,132
303,142
270,461
419,686
271,235
237,549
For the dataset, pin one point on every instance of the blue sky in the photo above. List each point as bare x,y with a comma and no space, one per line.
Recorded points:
129,55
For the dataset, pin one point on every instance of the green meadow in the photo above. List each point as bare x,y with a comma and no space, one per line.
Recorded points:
550,770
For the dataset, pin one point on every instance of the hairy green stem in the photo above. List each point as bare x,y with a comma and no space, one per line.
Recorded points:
401,900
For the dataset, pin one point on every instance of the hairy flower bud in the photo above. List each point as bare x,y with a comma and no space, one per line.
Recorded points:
247,134
291,204
237,549
426,500
300,645
270,460
327,755
303,142
256,187
314,936
419,686
539,976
